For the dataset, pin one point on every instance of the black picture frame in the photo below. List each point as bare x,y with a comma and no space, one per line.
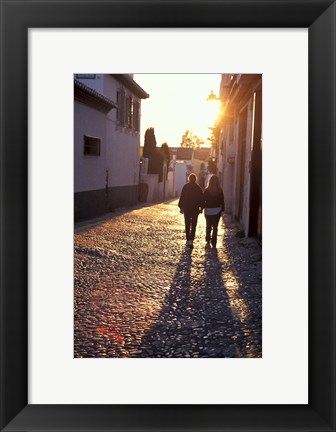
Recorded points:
16,18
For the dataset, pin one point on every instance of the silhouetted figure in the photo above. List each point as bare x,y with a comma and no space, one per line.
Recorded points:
201,179
191,205
214,206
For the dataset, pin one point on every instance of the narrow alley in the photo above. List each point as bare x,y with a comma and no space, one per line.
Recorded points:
140,292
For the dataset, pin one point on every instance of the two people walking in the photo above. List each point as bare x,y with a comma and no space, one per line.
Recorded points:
192,202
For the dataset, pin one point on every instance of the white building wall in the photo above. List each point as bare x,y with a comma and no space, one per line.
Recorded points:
110,88
96,83
123,150
230,162
123,156
89,171
180,177
152,180
171,184
123,144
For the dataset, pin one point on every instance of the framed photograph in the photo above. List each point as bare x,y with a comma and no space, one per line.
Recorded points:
197,293
66,363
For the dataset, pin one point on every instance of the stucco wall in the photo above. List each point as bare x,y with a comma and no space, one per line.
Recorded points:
171,193
237,194
152,180
123,148
180,177
111,179
89,171
122,155
111,86
95,83
121,144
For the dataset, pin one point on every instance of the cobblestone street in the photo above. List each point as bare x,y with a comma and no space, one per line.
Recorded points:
140,292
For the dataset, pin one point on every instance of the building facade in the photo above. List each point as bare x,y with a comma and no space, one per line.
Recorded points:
107,109
239,149
187,160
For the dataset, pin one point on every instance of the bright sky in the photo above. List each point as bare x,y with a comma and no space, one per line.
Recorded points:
178,102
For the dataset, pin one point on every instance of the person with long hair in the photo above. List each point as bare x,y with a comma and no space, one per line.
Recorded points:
191,205
214,207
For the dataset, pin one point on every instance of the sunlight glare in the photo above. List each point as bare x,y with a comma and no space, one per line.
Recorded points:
178,102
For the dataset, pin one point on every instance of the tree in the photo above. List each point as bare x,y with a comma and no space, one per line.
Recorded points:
190,140
166,155
166,152
155,164
214,135
154,155
150,143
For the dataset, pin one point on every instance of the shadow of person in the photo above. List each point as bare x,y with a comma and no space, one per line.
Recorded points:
242,278
158,341
224,335
196,318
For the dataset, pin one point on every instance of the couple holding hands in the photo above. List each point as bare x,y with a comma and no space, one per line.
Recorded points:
192,202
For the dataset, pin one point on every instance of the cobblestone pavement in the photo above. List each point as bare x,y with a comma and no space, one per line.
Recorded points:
140,292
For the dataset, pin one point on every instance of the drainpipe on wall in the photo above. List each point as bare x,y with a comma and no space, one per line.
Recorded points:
106,182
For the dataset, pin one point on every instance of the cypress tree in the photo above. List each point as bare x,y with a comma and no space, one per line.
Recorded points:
150,143
166,154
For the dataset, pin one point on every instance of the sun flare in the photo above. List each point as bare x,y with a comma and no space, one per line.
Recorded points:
178,102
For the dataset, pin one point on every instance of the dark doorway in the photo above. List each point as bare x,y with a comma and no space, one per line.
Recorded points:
256,171
241,160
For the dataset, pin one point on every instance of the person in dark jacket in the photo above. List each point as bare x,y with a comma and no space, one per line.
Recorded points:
191,205
214,206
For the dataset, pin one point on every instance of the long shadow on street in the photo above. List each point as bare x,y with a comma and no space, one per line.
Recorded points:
196,319
243,280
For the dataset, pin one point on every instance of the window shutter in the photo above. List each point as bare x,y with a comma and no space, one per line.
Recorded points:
121,107
129,111
136,116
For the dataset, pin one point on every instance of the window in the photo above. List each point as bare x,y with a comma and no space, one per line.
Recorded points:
136,115
121,107
91,146
129,111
